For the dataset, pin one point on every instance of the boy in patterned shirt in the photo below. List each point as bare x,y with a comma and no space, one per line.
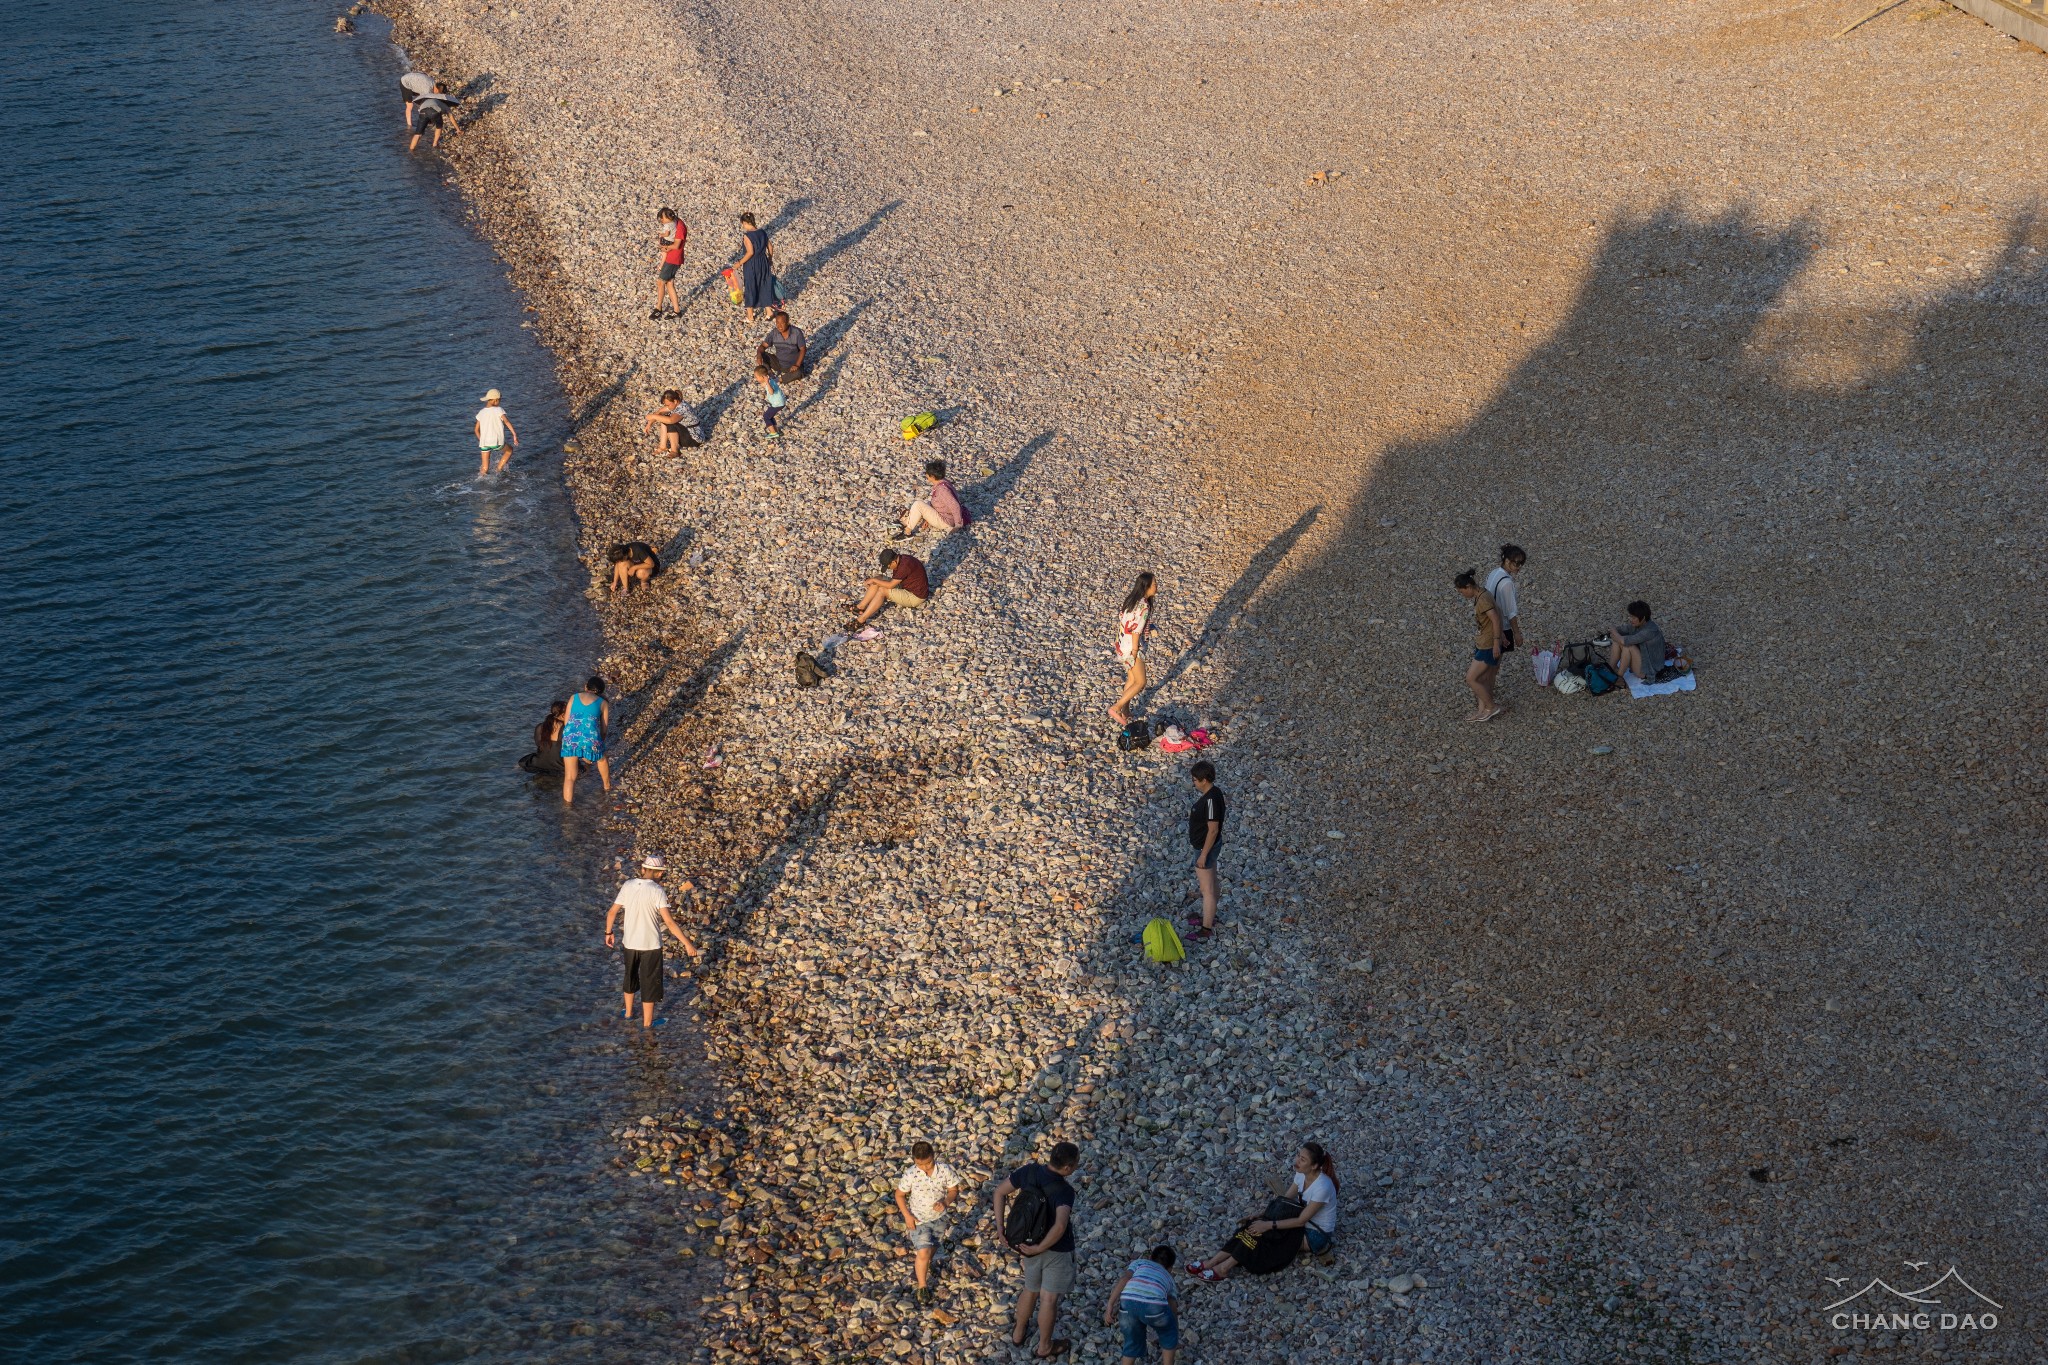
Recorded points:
924,1193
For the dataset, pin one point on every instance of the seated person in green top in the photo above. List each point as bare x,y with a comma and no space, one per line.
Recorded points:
1638,645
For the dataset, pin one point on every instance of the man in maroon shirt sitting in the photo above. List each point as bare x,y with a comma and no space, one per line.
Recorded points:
906,586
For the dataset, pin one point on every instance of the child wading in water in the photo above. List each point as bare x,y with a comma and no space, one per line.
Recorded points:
771,389
492,427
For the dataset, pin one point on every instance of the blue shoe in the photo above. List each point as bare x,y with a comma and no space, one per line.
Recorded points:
658,1023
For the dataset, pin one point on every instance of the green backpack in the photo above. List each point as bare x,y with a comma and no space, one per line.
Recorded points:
1162,944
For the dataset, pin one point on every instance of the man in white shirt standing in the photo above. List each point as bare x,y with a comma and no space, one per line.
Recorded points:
924,1193
645,906
1506,595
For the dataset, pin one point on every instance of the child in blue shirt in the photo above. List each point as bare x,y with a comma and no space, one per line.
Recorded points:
1144,1298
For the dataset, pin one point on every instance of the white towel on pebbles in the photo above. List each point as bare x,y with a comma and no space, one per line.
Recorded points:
1638,688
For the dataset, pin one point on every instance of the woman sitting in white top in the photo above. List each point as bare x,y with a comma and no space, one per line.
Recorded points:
1315,1185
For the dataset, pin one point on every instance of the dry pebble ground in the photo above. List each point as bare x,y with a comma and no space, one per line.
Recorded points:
1302,307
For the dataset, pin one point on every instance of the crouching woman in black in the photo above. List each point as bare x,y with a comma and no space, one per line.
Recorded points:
634,562
1271,1241
546,757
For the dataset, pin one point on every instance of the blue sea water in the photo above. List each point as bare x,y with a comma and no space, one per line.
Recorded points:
301,1046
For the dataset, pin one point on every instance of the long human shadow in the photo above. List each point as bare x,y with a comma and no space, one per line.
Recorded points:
1233,602
826,382
797,276
1820,498
596,403
681,702
982,498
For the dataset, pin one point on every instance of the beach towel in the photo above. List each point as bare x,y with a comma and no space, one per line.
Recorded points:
1638,688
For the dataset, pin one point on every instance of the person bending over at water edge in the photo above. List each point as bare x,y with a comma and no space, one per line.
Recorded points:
642,901
1269,1243
583,730
1488,644
428,111
547,742
906,586
1132,623
634,562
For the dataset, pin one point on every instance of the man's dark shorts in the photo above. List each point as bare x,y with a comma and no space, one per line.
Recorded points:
668,270
643,974
781,371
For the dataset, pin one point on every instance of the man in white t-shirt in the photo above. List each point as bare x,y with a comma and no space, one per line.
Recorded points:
1506,595
492,427
645,906
924,1193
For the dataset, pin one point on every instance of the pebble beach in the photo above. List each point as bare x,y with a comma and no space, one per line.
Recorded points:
1630,1024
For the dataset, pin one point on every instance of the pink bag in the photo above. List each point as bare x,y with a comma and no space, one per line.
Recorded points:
1544,664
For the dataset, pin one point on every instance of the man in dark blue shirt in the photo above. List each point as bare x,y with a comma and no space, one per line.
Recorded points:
1048,1262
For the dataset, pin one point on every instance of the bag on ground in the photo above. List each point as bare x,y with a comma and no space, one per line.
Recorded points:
1273,1250
1601,678
917,425
1028,1218
1162,941
1568,683
808,673
1136,735
1543,663
1578,657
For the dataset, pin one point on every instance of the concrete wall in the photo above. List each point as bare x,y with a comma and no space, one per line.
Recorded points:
2026,20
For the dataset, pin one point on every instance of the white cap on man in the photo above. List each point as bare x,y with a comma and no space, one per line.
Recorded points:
653,862
493,396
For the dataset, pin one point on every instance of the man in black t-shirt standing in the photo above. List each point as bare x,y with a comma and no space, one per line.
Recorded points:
1205,833
1048,1262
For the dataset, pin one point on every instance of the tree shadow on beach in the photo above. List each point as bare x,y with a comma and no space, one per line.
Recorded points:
1818,498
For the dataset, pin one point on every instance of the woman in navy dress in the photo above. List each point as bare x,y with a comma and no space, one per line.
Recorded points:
757,270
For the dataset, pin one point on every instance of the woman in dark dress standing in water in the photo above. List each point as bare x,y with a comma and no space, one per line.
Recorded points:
757,270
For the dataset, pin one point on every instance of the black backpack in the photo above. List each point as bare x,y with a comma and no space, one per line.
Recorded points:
1029,1217
1136,735
1577,658
808,674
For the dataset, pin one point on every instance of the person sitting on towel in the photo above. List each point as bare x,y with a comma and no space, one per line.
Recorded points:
1638,646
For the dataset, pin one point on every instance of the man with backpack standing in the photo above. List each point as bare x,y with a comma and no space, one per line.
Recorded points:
1034,1209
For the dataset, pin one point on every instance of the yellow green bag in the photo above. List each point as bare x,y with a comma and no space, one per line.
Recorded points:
1162,944
914,427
